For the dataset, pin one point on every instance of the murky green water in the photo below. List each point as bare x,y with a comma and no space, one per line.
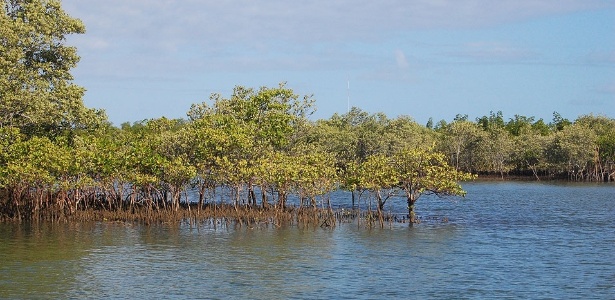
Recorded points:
504,240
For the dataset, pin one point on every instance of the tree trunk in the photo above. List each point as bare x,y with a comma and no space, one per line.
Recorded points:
201,196
251,195
237,195
380,209
282,200
411,214
264,197
176,198
533,168
457,158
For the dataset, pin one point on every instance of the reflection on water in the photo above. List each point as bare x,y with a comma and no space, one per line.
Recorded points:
42,259
512,240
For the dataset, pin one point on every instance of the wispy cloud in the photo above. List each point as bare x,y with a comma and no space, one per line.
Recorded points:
493,52
137,44
609,89
138,35
168,25
601,58
402,68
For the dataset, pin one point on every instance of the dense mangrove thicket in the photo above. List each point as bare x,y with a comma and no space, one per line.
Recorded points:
260,148
583,150
60,159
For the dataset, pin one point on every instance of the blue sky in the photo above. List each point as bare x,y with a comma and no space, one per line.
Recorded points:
145,59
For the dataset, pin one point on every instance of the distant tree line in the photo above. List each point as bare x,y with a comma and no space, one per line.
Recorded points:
583,150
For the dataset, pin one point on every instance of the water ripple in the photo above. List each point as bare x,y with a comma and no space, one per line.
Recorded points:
504,240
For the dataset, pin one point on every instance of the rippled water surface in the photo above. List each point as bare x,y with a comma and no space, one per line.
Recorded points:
504,240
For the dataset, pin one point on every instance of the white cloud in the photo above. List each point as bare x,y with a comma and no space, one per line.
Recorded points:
247,34
401,60
403,70
215,24
131,43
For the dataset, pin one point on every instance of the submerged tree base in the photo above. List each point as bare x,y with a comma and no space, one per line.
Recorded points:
221,215
242,215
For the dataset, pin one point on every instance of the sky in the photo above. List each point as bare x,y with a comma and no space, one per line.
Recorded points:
143,59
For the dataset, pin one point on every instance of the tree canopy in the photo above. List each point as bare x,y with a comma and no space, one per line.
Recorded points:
36,89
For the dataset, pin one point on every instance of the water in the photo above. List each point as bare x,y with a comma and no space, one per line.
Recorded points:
504,240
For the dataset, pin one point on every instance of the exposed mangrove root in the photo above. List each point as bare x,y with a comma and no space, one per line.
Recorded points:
240,215
215,215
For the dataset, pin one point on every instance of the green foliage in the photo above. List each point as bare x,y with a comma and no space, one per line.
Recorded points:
425,171
378,173
494,120
495,151
429,123
413,171
541,128
317,175
572,150
519,125
36,90
604,128
229,139
559,122
461,140
579,150
529,152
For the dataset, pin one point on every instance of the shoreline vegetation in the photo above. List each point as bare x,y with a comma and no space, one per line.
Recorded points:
222,215
62,160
